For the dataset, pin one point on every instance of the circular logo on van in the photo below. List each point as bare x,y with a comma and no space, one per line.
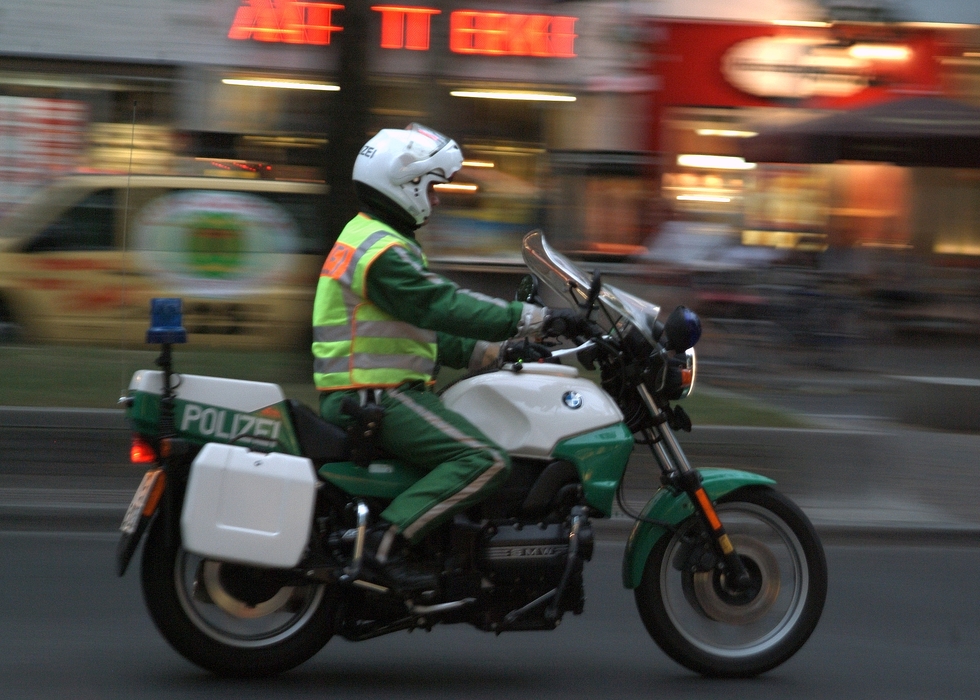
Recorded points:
572,399
215,241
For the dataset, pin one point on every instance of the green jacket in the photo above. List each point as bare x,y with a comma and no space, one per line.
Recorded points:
382,318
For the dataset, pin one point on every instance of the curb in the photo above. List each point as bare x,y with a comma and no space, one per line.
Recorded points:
72,418
106,520
618,529
833,464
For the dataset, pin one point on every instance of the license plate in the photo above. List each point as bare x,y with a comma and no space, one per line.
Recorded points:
140,499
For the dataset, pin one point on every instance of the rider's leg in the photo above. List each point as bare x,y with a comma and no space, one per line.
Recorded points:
464,465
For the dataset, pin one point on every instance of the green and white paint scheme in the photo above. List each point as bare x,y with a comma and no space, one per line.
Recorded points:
215,409
541,411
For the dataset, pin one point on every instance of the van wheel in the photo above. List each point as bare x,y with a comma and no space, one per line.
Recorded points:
10,330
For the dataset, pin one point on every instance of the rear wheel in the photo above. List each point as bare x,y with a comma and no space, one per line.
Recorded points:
232,619
707,625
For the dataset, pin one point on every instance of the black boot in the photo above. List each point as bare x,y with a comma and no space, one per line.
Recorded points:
386,554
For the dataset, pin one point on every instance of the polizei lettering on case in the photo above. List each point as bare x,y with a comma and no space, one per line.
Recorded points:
230,426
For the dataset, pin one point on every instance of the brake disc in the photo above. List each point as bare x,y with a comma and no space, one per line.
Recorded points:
734,607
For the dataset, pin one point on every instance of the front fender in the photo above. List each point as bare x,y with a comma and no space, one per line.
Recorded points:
672,506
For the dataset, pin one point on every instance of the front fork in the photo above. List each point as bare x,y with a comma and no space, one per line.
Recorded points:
678,473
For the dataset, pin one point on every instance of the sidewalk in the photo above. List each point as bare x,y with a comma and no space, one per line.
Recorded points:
67,469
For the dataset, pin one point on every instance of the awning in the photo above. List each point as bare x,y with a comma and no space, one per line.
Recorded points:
920,131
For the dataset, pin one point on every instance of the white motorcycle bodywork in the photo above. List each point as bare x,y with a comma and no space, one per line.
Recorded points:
528,411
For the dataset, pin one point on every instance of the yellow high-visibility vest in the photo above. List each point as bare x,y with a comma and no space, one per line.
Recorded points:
355,343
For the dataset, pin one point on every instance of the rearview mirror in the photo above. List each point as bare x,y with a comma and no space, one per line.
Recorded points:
594,290
527,290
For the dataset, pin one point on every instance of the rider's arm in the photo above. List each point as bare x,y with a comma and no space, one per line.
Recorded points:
399,284
460,353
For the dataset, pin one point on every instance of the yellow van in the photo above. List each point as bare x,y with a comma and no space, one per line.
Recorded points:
80,261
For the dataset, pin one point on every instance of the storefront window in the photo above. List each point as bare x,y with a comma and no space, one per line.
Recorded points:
601,204
786,206
947,218
492,202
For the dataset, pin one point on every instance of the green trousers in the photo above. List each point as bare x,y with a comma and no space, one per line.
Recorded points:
463,466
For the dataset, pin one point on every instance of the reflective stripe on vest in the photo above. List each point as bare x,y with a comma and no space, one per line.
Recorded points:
355,343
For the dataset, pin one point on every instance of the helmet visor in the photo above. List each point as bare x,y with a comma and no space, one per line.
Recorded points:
440,140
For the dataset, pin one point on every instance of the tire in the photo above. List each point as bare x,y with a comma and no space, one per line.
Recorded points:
190,602
699,624
10,330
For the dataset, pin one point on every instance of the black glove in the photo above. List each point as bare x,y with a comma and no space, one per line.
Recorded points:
522,350
565,322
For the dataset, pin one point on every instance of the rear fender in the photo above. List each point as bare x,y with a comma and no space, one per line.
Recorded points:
673,507
164,500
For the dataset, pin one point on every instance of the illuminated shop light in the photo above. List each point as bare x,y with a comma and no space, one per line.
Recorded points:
284,84
455,187
786,240
885,245
478,164
936,25
689,160
504,95
971,54
704,198
800,23
956,249
880,52
728,133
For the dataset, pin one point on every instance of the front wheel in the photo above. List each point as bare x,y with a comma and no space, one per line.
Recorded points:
231,619
713,629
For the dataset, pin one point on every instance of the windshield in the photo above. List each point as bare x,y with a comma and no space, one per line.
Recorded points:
568,281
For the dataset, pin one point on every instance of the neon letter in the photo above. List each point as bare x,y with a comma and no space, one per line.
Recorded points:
405,27
508,34
289,21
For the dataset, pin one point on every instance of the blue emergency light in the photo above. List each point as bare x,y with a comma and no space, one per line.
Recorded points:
166,322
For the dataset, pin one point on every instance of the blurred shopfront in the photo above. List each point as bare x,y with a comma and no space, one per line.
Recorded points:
724,82
547,100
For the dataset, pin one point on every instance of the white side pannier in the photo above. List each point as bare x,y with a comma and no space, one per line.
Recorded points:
248,507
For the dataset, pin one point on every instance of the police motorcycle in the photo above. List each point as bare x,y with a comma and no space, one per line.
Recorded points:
256,511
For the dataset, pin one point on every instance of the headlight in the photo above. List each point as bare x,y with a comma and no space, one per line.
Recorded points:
688,372
678,380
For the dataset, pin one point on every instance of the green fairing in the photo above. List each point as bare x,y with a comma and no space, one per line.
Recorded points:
144,413
380,480
672,506
600,457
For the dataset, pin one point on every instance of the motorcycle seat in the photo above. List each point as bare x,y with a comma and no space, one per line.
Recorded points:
319,440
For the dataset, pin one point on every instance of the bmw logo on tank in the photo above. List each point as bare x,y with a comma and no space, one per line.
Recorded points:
572,399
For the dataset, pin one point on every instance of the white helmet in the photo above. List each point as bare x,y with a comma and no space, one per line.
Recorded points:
402,163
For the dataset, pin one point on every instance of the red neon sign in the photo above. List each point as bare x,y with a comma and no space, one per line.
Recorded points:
507,34
287,21
405,27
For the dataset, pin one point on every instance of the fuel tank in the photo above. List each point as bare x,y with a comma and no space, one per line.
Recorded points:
527,411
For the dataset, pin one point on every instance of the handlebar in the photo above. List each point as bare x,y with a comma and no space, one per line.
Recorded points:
564,352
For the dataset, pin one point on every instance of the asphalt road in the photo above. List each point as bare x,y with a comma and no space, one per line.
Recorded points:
900,622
